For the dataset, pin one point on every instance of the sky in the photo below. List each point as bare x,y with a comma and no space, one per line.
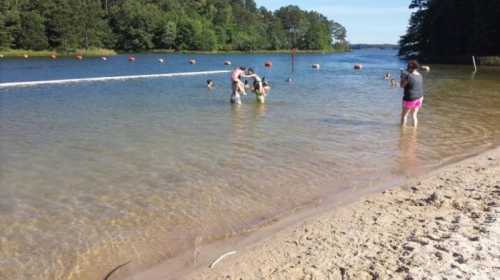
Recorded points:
366,21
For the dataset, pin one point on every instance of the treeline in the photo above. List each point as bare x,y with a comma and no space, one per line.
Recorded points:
444,30
133,25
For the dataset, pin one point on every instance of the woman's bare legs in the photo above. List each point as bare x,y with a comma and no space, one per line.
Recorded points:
414,114
404,116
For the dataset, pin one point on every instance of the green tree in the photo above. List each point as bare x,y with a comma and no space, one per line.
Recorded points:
189,35
277,36
452,30
5,40
61,24
32,35
135,22
92,28
178,24
166,35
208,39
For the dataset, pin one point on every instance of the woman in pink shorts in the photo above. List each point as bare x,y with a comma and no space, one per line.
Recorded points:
413,84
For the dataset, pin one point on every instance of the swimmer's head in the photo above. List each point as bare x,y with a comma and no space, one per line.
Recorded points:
250,71
242,68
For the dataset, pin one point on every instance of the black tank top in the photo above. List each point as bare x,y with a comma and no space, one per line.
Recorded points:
415,87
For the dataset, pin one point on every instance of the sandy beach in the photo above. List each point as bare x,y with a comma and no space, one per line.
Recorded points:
442,226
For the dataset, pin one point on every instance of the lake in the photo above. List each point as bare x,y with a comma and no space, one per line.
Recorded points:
96,174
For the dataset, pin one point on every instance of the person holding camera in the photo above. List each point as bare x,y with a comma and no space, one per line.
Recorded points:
413,84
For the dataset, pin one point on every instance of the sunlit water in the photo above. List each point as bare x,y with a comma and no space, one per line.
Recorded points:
94,175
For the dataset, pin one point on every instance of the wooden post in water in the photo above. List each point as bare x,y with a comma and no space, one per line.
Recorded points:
474,63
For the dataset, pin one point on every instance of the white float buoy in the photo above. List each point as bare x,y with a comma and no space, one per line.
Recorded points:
358,66
192,61
161,60
426,68
26,56
316,66
227,62
104,58
1,56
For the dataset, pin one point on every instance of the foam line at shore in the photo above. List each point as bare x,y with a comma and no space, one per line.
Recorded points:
101,79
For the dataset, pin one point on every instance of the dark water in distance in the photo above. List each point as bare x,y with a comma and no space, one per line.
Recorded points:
96,174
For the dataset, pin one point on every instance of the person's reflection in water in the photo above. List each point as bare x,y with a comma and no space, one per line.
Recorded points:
260,110
238,124
408,151
236,139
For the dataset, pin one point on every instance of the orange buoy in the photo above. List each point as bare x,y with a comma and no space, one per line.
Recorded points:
268,64
79,56
131,58
358,66
192,61
53,56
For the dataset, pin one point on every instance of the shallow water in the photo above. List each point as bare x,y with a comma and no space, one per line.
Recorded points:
94,175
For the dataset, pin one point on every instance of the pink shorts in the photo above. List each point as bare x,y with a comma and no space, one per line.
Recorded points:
414,104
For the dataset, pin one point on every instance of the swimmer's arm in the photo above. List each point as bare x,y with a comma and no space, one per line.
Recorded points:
248,76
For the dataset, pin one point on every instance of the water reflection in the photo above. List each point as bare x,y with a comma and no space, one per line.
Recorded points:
409,164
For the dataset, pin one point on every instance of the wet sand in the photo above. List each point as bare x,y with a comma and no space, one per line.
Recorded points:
442,226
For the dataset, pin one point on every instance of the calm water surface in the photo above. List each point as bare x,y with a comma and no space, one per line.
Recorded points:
93,175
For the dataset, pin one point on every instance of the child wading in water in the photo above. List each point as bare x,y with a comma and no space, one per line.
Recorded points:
261,89
413,84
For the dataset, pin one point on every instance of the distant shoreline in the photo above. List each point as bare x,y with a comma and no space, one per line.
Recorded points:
15,53
93,52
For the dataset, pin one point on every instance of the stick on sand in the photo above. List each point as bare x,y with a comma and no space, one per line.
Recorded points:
212,265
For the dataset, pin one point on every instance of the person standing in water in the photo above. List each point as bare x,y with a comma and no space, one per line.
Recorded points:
237,85
413,84
261,88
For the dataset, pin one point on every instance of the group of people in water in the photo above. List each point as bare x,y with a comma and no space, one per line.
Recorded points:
410,80
260,86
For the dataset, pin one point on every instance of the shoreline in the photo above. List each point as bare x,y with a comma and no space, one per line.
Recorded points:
17,53
380,234
92,52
